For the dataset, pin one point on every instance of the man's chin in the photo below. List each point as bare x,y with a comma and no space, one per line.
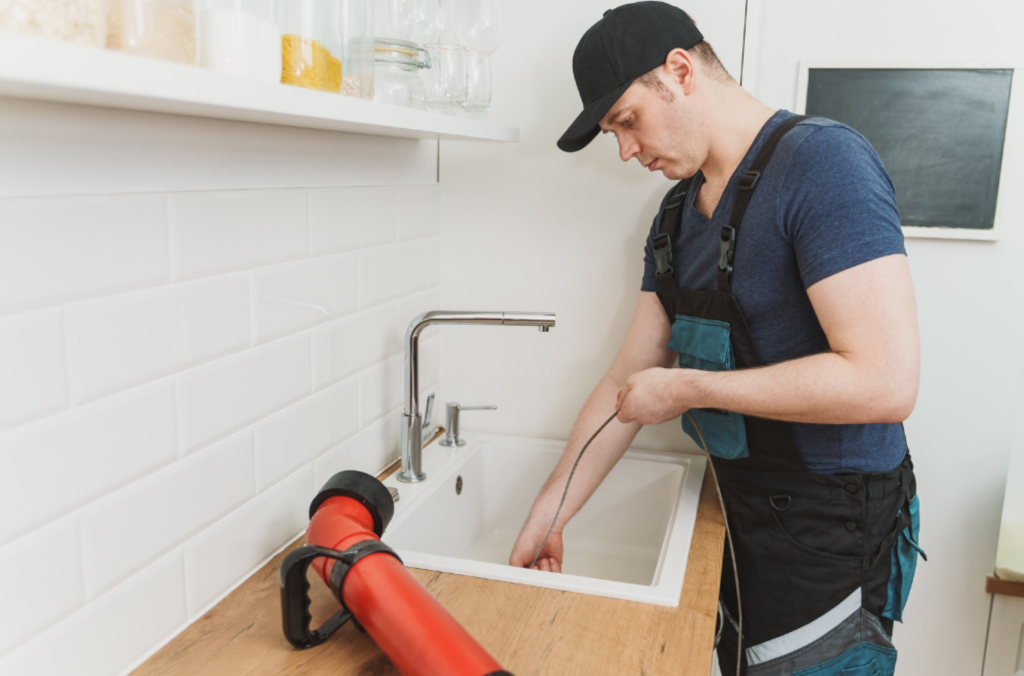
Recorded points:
670,172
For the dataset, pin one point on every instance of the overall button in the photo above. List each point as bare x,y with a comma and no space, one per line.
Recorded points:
851,488
851,526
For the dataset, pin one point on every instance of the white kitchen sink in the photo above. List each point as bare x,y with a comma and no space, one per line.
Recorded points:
630,541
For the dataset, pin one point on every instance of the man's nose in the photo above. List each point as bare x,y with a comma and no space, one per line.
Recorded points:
628,148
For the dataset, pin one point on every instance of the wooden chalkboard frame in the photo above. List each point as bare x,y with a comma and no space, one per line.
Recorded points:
806,65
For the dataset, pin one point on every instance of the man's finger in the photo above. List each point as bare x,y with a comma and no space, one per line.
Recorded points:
624,416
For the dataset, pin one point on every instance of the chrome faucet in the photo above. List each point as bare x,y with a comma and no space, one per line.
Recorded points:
412,436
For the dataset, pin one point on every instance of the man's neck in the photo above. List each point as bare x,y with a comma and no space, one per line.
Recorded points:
741,118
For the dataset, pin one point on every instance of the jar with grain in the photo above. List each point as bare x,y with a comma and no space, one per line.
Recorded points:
358,57
83,22
311,44
162,29
240,37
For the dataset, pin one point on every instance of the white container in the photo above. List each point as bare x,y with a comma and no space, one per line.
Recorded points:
161,29
80,21
241,38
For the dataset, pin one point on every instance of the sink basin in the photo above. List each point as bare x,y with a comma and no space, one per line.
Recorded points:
630,541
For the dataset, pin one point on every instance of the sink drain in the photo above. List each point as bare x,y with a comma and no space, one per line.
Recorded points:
458,485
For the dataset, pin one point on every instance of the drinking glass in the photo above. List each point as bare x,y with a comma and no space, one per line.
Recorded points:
449,27
395,19
478,84
427,22
445,79
478,23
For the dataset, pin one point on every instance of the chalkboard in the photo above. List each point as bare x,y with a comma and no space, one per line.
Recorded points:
939,133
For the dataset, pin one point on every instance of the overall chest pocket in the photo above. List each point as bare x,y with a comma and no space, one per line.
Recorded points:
704,344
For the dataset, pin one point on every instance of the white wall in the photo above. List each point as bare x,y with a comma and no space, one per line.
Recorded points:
1010,552
528,227
180,371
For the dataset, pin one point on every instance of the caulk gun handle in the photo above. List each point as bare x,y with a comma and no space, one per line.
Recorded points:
295,599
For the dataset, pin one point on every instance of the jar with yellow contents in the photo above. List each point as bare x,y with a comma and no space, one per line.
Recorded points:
311,44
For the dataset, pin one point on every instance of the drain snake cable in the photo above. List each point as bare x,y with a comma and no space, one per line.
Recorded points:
725,518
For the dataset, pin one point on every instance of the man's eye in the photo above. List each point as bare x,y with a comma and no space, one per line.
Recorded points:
628,123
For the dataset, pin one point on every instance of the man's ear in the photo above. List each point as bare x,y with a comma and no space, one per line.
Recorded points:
680,68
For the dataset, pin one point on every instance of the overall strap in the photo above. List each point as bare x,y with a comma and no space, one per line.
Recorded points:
748,181
671,216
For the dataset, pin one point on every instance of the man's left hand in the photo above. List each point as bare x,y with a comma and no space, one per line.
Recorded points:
656,395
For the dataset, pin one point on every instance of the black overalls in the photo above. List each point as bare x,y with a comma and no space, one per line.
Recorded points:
825,562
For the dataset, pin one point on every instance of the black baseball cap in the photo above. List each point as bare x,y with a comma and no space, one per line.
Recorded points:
626,43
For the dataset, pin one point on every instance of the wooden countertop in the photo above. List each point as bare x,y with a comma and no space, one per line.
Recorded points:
530,631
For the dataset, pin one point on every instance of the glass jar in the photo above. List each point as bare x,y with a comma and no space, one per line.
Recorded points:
80,21
478,84
311,44
396,74
240,37
445,78
357,21
162,29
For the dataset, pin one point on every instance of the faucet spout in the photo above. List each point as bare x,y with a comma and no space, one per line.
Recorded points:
412,441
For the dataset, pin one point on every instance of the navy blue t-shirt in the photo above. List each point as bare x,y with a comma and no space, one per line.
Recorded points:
824,204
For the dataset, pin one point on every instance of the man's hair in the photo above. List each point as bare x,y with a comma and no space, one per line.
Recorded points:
705,53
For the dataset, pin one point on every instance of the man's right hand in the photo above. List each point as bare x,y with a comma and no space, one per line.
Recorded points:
526,548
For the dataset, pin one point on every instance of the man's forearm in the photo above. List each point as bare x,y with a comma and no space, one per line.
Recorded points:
601,456
823,388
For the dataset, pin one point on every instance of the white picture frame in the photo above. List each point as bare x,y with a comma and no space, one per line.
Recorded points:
1009,138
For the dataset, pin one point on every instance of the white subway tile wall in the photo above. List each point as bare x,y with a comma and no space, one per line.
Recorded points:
131,338
352,218
419,212
60,248
233,229
32,366
29,605
179,373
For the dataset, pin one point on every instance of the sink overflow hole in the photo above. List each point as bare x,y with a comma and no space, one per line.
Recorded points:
458,485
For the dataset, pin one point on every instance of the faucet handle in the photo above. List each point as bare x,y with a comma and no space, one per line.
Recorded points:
451,432
429,411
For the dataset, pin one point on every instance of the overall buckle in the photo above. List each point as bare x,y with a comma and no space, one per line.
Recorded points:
728,248
662,248
749,179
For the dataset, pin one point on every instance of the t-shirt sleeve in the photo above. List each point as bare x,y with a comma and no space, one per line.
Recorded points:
650,279
838,205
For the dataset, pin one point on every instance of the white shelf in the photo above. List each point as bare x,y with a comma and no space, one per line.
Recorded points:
36,68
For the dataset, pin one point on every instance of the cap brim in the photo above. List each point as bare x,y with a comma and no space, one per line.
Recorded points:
585,127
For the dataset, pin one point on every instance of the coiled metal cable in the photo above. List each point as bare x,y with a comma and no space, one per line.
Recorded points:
725,518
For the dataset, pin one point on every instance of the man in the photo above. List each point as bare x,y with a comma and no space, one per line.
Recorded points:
776,275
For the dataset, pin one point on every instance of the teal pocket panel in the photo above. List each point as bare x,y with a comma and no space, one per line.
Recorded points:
725,433
864,659
904,564
704,344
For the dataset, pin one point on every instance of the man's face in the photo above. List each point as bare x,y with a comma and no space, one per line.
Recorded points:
663,135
